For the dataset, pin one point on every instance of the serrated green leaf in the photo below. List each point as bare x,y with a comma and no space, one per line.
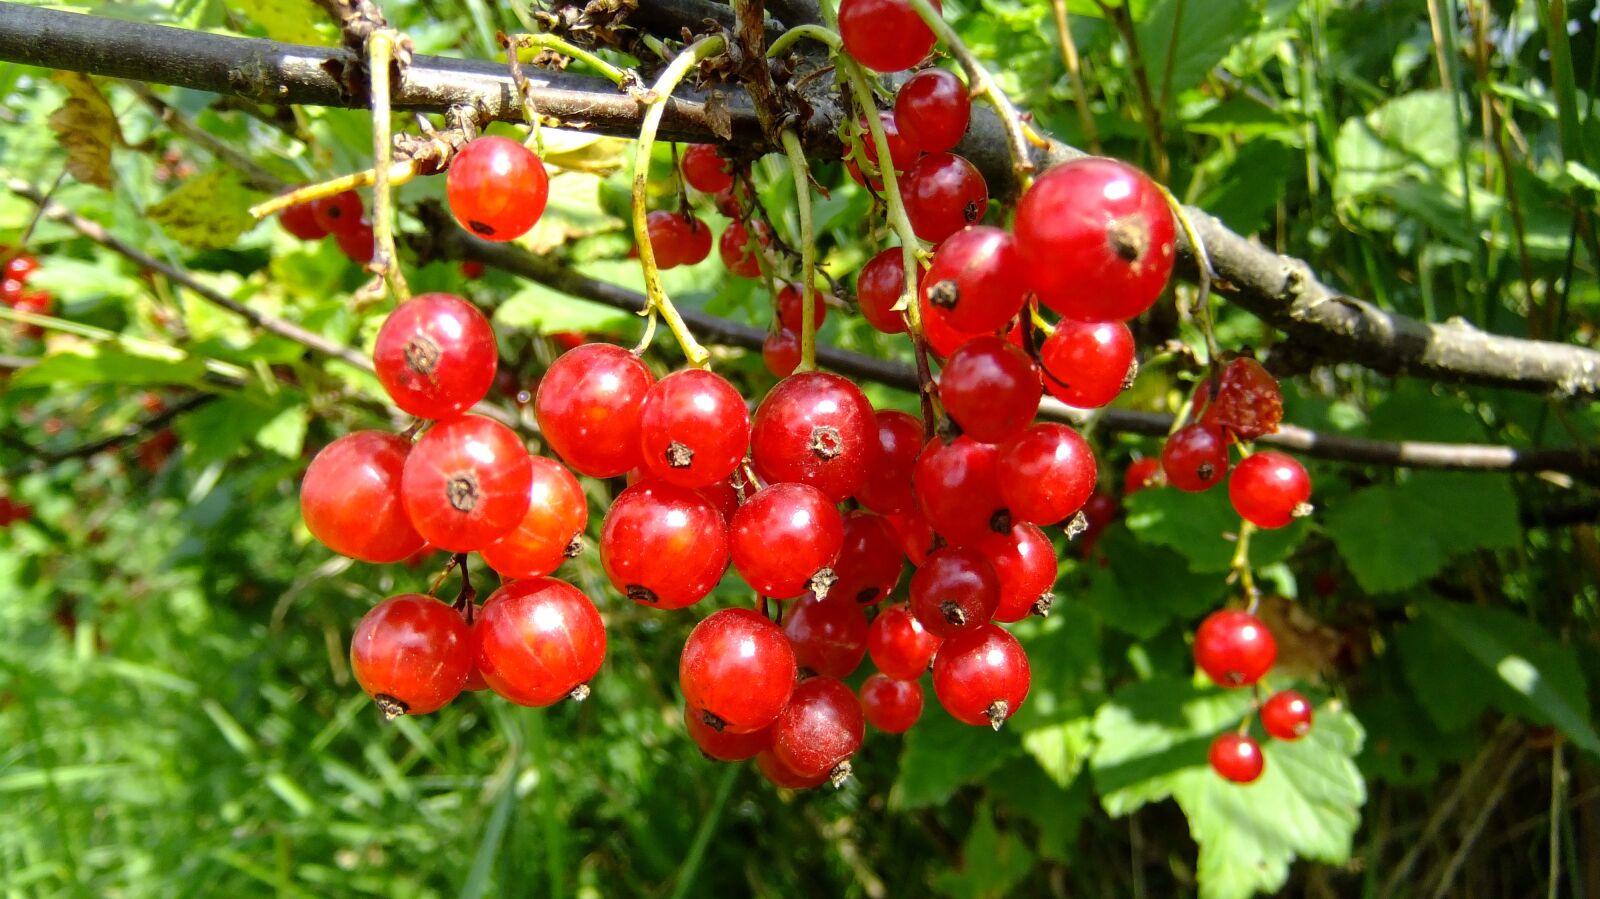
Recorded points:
285,434
207,211
992,862
1061,749
1197,526
942,754
107,364
1396,536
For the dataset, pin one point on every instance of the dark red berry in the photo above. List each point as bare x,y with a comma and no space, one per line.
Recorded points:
1195,458
890,705
737,251
915,534
1234,648
540,641
869,564
737,671
550,532
815,428
466,483
884,35
942,337
497,188
887,488
435,355
898,643
1087,364
693,428
412,654
1142,473
829,636
1237,758
1269,489
990,388
300,220
901,152
878,288
705,170
1025,562
350,498
933,109
981,676
668,238
781,352
819,729
943,193
1286,715
791,308
588,407
779,774
1046,474
958,487
725,745
784,540
340,212
954,589
977,281
662,545
357,241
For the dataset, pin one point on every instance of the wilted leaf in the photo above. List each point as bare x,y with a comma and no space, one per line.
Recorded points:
86,128
584,152
207,211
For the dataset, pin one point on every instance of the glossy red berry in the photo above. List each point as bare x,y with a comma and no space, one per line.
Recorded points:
693,428
1269,489
357,241
1195,458
737,671
350,498
958,488
694,239
705,170
933,109
1046,474
1142,473
340,212
1248,402
915,534
899,645
943,193
1236,757
954,589
412,654
662,545
20,267
890,705
878,288
887,487
435,355
814,428
977,282
819,729
1098,238
588,407
884,35
739,252
943,338
901,152
869,563
552,530
990,388
779,774
1087,364
1286,715
466,483
497,188
781,352
1025,562
300,220
981,676
540,640
784,537
724,745
791,308
668,236
1234,648
829,636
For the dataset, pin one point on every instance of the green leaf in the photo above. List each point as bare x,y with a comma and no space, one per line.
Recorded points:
207,211
87,363
1023,788
222,429
545,309
1410,136
992,862
942,754
292,21
1196,525
1061,749
1145,587
1152,743
1396,536
1183,40
285,434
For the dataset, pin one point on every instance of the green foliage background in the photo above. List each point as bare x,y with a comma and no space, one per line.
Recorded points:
177,715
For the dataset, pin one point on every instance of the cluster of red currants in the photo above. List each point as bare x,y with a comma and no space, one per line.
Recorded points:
14,291
1235,649
341,215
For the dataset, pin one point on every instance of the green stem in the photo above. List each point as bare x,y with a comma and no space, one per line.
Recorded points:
1203,263
1241,566
794,35
380,51
137,345
808,250
702,837
617,75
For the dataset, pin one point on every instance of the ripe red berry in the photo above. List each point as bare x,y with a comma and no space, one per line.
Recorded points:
724,745
705,170
958,488
737,671
1098,238
693,428
901,152
781,352
466,483
540,641
350,498
884,35
981,676
668,236
977,281
1248,401
497,188
1046,474
943,338
943,193
933,109
785,536
357,242
552,530
694,239
662,545
1234,648
1087,364
1237,758
588,407
819,729
791,308
915,534
471,269
887,488
890,705
779,774
869,563
899,645
1286,715
990,388
878,288
737,251
954,589
300,220
814,428
20,267
829,636
1195,458
1025,562
1269,488
1142,473
412,654
340,212
435,355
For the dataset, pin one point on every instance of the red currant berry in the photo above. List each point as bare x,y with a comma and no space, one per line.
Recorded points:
901,152
662,545
814,428
466,483
820,728
1025,562
791,308
1286,715
725,746
884,35
1046,474
829,636
958,486
540,641
350,498
878,288
300,220
868,567
588,408
669,235
412,654
705,170
357,241
990,388
694,239
1234,648
981,676
977,281
781,352
915,534
943,339
552,530
954,589
435,355
943,193
737,671
693,428
887,488
1237,758
1087,364
890,705
20,267
737,252
780,774
1142,473
785,539
471,269
1248,401
1098,238
340,212
1269,488
899,645
722,497
933,109
497,188
1195,458
727,203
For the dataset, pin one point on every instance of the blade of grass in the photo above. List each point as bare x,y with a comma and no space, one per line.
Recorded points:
702,837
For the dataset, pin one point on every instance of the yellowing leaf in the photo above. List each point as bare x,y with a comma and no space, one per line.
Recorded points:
589,153
207,211
293,21
86,128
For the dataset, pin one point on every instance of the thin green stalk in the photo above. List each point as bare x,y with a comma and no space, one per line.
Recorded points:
815,32
808,250
702,837
380,51
550,823
617,75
